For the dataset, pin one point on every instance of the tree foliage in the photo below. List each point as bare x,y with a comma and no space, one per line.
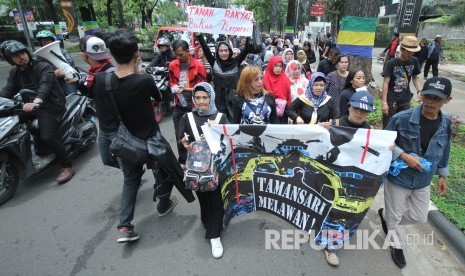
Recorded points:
458,18
263,12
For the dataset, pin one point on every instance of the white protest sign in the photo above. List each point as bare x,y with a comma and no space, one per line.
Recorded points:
219,21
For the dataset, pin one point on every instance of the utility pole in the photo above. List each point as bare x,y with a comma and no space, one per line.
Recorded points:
25,28
296,25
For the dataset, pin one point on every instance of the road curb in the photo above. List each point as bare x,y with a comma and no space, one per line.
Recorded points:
449,231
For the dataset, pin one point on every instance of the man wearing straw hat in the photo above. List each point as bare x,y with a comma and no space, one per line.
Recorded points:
398,73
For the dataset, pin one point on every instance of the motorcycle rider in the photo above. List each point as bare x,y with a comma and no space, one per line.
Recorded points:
49,105
46,37
165,56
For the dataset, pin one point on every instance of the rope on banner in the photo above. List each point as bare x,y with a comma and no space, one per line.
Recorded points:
233,157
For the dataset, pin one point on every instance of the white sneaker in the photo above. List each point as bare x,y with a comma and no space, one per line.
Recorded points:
217,248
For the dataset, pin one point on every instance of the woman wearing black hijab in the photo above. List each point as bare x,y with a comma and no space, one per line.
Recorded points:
225,69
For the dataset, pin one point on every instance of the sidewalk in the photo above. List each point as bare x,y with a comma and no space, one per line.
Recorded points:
454,69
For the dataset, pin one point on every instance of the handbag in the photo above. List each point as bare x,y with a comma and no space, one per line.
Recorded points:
200,172
125,145
280,106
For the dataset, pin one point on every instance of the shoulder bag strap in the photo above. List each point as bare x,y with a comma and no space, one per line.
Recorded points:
108,77
195,131
218,117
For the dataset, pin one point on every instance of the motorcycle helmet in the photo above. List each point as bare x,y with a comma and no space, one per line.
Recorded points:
3,46
45,34
163,41
13,47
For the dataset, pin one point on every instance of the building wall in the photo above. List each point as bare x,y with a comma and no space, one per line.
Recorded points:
430,30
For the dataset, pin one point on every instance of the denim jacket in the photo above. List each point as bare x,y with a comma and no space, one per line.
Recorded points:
407,126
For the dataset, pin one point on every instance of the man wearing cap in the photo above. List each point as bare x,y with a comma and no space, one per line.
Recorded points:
94,52
423,134
360,105
435,52
397,74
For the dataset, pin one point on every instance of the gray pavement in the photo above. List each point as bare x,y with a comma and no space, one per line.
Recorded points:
70,229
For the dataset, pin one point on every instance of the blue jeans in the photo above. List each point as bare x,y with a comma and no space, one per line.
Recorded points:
132,177
104,141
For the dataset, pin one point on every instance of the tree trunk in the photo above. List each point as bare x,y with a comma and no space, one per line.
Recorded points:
368,9
291,15
121,14
85,13
274,16
52,11
109,13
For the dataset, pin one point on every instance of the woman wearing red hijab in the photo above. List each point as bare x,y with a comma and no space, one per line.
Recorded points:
279,84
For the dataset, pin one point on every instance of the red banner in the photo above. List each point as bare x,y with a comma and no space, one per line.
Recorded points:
318,9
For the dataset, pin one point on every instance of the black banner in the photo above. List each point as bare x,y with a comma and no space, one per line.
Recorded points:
409,13
70,17
291,199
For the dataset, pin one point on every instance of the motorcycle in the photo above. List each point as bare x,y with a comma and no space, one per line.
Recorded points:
160,75
21,153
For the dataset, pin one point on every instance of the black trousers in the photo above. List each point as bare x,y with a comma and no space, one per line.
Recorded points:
211,212
49,135
179,111
431,63
394,108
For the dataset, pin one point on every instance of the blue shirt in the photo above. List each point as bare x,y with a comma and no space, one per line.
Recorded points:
407,126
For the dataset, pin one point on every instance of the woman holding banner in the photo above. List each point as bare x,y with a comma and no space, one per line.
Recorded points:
225,69
314,106
253,104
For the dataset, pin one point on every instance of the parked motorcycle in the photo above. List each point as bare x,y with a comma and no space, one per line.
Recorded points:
160,75
21,153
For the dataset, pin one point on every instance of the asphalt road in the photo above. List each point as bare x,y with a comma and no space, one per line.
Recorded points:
70,229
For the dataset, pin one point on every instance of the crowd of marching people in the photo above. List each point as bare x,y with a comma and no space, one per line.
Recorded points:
235,85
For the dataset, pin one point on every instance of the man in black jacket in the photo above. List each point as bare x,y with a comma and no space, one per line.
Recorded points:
328,65
49,105
165,56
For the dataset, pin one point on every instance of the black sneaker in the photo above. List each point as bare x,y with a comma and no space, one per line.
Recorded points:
127,235
398,257
383,222
173,202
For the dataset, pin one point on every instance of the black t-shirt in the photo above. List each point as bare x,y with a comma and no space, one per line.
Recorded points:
344,121
344,101
326,66
427,130
132,95
400,72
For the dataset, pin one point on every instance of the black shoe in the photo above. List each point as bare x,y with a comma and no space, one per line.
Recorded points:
398,257
127,235
383,222
172,203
